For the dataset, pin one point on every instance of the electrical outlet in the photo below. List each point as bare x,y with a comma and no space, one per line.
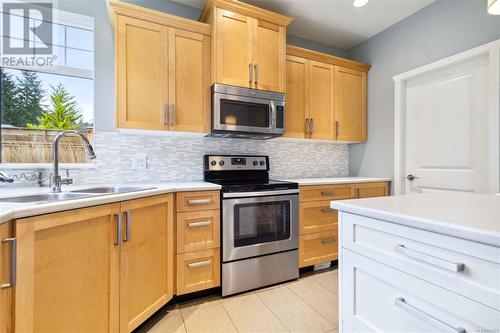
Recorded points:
140,161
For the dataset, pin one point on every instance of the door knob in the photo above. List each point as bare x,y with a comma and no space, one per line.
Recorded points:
411,177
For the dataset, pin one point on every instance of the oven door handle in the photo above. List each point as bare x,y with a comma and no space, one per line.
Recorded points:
259,194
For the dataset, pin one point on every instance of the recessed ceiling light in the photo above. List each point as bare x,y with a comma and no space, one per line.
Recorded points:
494,7
361,3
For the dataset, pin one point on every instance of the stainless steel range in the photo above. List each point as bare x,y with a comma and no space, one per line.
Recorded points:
260,222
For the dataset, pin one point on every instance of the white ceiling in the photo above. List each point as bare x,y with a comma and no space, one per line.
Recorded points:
336,22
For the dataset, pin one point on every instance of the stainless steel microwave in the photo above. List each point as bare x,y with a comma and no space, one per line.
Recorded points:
247,113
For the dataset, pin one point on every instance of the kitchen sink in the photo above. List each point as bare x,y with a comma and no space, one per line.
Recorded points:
44,198
111,190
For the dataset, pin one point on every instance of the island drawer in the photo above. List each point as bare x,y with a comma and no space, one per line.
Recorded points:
198,230
387,300
317,216
318,248
200,200
468,268
326,192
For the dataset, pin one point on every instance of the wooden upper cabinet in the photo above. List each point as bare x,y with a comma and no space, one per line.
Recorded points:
327,94
147,254
189,81
163,70
350,104
141,51
248,45
268,56
321,90
233,50
297,95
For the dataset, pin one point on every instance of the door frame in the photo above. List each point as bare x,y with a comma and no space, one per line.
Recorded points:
492,51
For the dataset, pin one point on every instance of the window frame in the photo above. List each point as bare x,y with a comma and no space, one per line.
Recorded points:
73,20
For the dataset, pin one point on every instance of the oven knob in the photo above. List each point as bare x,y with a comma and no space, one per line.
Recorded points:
213,163
262,163
221,163
255,163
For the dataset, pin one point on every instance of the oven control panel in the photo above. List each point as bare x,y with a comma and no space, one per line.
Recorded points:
236,162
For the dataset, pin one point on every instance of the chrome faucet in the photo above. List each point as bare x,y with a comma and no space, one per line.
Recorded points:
57,180
4,177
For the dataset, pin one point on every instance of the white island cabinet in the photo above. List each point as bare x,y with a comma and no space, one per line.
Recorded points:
420,263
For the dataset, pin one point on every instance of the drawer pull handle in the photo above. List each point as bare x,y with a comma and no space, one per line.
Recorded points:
451,266
328,241
327,210
443,327
12,263
325,193
198,224
199,202
200,263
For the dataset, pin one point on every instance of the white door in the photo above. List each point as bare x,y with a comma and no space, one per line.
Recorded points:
446,141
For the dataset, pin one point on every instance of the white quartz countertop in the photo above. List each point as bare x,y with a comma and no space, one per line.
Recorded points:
336,180
9,211
475,217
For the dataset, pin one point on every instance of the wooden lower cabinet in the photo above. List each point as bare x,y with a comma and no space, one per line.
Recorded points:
319,223
370,190
146,259
198,241
6,260
68,271
198,270
76,272
318,248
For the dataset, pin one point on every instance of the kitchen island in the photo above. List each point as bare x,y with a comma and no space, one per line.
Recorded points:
424,262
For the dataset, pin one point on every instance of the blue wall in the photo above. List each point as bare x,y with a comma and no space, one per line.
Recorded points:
439,30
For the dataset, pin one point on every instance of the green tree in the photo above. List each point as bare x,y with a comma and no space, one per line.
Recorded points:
63,112
9,103
29,94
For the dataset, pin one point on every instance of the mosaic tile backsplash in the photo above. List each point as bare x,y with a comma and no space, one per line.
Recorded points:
179,158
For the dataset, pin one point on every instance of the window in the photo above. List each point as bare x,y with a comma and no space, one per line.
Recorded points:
43,94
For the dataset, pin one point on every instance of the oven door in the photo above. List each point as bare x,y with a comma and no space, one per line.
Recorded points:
243,114
254,226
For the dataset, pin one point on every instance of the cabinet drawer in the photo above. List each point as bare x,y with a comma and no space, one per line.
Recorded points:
198,230
198,271
317,216
317,248
464,267
326,192
371,190
376,297
192,201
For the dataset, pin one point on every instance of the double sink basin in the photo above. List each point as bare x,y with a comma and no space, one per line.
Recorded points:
71,195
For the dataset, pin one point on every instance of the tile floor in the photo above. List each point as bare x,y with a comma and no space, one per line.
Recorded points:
309,304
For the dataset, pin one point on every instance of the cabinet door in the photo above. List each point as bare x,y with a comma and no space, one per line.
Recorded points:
6,294
141,58
67,272
296,97
233,53
146,270
318,248
189,81
370,190
317,216
350,104
268,56
321,85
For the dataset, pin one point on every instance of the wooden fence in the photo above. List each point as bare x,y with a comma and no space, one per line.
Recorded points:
25,145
